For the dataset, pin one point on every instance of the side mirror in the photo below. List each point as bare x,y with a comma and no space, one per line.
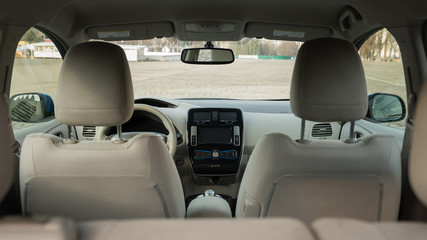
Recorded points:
207,56
31,107
383,107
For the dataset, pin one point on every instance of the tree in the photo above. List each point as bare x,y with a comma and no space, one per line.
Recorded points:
33,35
287,48
381,46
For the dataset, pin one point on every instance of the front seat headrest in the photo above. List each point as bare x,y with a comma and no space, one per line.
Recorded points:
328,82
95,86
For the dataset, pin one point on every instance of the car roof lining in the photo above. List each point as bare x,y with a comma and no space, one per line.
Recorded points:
72,20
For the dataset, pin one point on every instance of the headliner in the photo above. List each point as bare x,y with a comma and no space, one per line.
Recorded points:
69,19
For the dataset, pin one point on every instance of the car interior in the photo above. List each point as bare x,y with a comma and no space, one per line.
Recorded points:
195,119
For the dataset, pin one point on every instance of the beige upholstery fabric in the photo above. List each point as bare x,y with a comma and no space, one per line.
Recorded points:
208,207
209,229
328,82
322,178
6,148
99,180
95,86
418,159
37,229
350,229
105,179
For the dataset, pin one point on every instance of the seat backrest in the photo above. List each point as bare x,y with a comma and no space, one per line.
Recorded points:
98,179
333,228
312,179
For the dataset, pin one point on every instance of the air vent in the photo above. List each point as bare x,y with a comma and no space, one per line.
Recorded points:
322,130
202,117
89,131
228,116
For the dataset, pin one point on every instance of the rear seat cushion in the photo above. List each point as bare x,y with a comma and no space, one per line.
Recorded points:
350,229
247,229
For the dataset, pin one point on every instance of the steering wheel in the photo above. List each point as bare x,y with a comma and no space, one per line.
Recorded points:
170,139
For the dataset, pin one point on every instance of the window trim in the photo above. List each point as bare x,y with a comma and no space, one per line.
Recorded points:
363,38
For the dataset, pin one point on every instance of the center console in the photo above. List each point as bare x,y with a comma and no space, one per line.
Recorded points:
215,140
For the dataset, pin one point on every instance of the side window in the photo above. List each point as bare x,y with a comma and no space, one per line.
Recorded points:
383,67
34,78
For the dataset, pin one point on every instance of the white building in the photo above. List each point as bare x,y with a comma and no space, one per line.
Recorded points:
45,50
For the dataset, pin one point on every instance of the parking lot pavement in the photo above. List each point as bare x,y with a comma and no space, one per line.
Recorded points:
246,79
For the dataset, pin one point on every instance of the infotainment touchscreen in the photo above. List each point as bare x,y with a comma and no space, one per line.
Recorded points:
215,135
215,140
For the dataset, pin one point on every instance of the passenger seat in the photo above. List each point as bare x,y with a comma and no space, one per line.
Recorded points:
350,229
358,178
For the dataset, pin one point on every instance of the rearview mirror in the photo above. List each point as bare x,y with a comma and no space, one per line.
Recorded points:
385,107
31,107
207,56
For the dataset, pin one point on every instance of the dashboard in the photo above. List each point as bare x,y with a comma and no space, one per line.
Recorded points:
215,138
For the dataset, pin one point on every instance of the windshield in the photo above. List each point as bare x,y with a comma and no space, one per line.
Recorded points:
262,69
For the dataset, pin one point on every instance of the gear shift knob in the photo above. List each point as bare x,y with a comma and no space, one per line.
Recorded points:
210,193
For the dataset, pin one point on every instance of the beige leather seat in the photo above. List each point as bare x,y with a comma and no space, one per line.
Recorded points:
99,179
349,229
311,179
23,228
191,229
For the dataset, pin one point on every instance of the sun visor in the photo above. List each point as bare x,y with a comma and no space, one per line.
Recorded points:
286,32
136,31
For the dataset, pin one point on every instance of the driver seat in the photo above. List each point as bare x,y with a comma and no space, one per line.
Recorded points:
91,180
